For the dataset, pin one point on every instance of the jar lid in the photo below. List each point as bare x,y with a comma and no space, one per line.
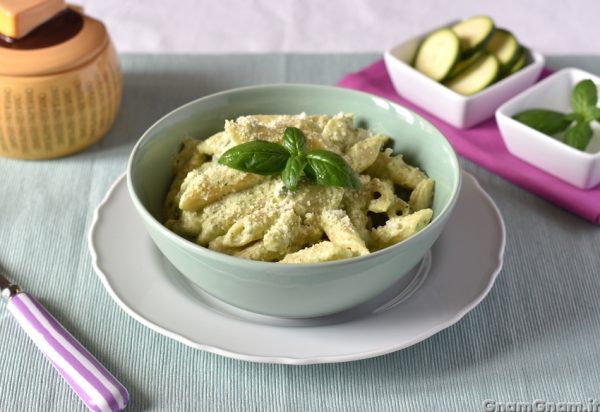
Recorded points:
67,40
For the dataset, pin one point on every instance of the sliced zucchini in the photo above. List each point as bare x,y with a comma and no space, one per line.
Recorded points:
519,63
438,54
464,63
477,76
505,47
474,33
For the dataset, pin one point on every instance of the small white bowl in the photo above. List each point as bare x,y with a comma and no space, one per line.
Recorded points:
579,168
454,108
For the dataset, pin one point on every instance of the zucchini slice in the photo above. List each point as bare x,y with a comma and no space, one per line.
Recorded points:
519,63
505,47
464,63
474,33
437,54
477,76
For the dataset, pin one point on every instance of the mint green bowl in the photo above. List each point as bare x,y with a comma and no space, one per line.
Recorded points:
290,290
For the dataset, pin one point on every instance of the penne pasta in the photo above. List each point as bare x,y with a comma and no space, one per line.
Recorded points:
216,145
363,154
339,229
219,216
393,167
422,196
256,217
212,181
400,227
320,252
382,195
188,158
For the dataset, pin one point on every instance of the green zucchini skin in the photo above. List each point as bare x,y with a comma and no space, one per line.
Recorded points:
452,50
501,37
464,64
481,43
479,75
467,64
517,65
519,62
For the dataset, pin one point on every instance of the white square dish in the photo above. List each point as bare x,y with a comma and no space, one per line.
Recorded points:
579,168
458,110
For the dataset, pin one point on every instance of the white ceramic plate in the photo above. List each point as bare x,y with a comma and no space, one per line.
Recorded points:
454,277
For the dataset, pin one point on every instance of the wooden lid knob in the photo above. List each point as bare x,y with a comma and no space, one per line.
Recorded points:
19,17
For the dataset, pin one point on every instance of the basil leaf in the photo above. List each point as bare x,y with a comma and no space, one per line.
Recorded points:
257,156
293,171
309,172
596,113
579,135
574,116
546,121
294,141
331,169
584,96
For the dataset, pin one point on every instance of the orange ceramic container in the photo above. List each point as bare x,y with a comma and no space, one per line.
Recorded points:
60,87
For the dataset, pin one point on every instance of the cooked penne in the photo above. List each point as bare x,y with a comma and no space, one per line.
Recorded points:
339,229
363,154
218,245
393,167
422,196
400,227
356,204
382,195
257,217
250,227
398,208
210,182
315,198
218,217
340,133
216,145
185,223
321,252
188,158
284,232
258,251
271,128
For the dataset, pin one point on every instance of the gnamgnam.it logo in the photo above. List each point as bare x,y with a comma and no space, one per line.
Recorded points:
592,405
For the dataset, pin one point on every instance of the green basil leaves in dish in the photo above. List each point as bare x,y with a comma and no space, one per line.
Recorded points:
579,136
291,160
258,156
293,171
545,121
331,169
294,141
577,124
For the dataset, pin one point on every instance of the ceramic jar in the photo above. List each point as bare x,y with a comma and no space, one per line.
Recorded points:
60,87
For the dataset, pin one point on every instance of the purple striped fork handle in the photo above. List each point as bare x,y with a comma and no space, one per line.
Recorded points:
95,385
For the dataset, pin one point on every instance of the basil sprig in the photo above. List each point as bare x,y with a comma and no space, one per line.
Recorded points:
292,173
584,100
330,169
291,160
545,121
258,156
294,141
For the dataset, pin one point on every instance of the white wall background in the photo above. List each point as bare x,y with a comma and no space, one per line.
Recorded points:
230,26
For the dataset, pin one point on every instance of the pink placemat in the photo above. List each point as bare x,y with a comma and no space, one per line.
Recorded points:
483,145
